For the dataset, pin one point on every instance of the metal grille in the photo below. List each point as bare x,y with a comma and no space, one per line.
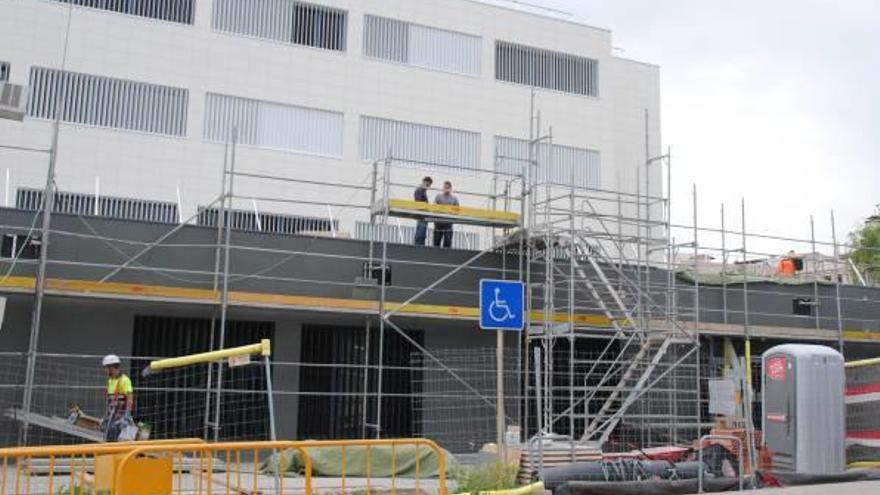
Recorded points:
272,223
421,46
405,234
863,411
421,145
288,21
107,102
184,390
546,69
181,11
273,125
566,163
332,382
104,206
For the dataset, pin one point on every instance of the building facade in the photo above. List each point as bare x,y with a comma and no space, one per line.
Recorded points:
315,91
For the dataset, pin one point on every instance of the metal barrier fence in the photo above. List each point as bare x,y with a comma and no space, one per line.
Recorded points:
67,469
194,467
863,413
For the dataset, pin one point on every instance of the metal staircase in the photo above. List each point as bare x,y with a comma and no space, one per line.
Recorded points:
636,358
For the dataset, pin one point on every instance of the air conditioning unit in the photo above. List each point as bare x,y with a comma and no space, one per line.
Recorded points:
13,101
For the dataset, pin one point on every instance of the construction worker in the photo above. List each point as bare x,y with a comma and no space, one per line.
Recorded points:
421,196
443,230
120,401
786,267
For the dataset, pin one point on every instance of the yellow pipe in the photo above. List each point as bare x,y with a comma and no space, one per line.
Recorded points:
863,464
749,363
864,362
523,490
264,348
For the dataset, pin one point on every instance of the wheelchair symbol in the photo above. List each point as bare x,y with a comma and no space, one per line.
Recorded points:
499,311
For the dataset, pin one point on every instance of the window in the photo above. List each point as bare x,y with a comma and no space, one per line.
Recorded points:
19,246
422,145
273,125
181,11
288,21
102,206
546,69
421,46
582,165
273,223
802,306
107,102
5,69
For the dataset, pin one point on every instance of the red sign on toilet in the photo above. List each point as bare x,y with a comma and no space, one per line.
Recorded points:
776,368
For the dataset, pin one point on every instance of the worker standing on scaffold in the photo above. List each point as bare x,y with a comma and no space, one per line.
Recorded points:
421,196
118,424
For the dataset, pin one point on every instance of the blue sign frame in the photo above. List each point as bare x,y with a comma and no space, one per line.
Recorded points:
502,305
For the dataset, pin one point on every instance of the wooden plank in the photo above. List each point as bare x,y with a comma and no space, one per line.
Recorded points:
405,208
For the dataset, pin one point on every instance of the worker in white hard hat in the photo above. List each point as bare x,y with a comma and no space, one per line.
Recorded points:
120,400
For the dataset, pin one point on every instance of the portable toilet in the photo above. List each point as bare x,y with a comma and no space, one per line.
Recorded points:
804,418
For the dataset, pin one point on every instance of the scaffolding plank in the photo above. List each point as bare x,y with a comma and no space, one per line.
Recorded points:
56,424
404,208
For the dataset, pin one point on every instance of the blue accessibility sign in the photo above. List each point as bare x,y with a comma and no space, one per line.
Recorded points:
501,305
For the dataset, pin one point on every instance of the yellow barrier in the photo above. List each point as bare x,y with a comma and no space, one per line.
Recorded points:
191,466
264,348
237,468
65,468
162,470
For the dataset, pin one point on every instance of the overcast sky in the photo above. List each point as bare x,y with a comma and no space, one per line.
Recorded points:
774,101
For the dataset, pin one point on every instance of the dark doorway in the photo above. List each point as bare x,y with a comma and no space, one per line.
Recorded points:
332,383
174,403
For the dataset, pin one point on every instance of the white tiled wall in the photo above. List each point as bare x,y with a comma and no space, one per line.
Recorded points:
196,58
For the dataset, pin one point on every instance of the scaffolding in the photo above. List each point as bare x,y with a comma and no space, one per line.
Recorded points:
612,354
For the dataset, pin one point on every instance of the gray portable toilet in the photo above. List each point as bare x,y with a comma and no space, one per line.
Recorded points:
804,419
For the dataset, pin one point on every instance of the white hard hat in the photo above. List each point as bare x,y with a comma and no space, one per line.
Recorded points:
110,360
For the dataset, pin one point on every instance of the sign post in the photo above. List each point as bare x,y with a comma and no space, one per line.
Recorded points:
501,309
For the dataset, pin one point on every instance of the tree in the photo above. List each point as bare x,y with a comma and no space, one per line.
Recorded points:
865,254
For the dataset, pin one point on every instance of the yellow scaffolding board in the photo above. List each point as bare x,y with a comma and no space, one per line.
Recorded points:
405,208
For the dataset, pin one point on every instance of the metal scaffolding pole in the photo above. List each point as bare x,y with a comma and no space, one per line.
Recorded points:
723,267
386,179
840,335
750,424
226,218
215,286
572,253
549,290
368,271
697,318
525,253
61,97
816,301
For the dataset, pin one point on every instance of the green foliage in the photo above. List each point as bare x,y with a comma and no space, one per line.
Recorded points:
866,249
493,476
78,490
